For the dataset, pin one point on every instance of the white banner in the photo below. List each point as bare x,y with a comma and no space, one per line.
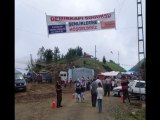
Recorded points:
67,24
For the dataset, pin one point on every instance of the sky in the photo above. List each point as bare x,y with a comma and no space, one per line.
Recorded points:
31,30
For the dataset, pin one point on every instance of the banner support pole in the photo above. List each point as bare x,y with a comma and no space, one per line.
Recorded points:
47,25
115,18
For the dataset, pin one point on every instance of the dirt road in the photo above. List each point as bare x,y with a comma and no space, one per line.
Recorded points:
35,104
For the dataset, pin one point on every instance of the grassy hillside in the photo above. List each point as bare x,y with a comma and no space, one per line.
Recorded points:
98,66
135,68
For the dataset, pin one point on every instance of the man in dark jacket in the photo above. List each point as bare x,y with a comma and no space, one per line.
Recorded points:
93,92
59,92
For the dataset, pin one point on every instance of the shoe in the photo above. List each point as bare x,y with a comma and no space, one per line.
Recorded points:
60,106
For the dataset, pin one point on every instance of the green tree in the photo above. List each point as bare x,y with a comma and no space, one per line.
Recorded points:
62,56
56,54
84,62
104,59
41,53
70,55
79,51
48,54
111,61
73,53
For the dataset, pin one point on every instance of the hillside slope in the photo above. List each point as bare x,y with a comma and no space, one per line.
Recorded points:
136,67
62,65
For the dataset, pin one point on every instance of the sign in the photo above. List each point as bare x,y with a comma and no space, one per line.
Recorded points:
68,24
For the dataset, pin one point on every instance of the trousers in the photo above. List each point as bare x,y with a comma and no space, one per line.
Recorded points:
94,99
100,105
59,99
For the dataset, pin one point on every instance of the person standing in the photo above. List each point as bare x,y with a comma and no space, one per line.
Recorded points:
65,83
94,93
124,84
100,93
107,86
83,89
59,92
78,90
70,82
113,84
98,81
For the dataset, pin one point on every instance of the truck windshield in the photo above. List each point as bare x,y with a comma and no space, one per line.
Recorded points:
18,76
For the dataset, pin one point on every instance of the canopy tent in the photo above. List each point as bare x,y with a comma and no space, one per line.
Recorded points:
116,74
112,73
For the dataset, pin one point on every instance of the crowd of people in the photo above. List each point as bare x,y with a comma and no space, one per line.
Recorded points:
99,89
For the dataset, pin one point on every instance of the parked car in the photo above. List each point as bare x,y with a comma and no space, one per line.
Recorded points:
138,89
117,91
31,77
135,88
20,82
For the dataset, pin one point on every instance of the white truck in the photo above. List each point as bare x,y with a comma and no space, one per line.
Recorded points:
76,73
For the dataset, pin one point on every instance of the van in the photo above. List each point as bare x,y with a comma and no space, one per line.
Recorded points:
20,82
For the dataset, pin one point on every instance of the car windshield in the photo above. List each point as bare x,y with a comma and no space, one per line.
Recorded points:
140,84
18,76
131,83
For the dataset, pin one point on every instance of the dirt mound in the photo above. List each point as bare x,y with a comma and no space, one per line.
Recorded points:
36,92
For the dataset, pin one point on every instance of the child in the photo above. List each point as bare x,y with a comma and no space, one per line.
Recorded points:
100,93
83,88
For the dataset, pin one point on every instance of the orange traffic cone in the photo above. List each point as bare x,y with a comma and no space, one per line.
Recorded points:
53,104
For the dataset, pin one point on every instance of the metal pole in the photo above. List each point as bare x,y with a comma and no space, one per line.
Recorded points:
95,52
47,24
115,18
